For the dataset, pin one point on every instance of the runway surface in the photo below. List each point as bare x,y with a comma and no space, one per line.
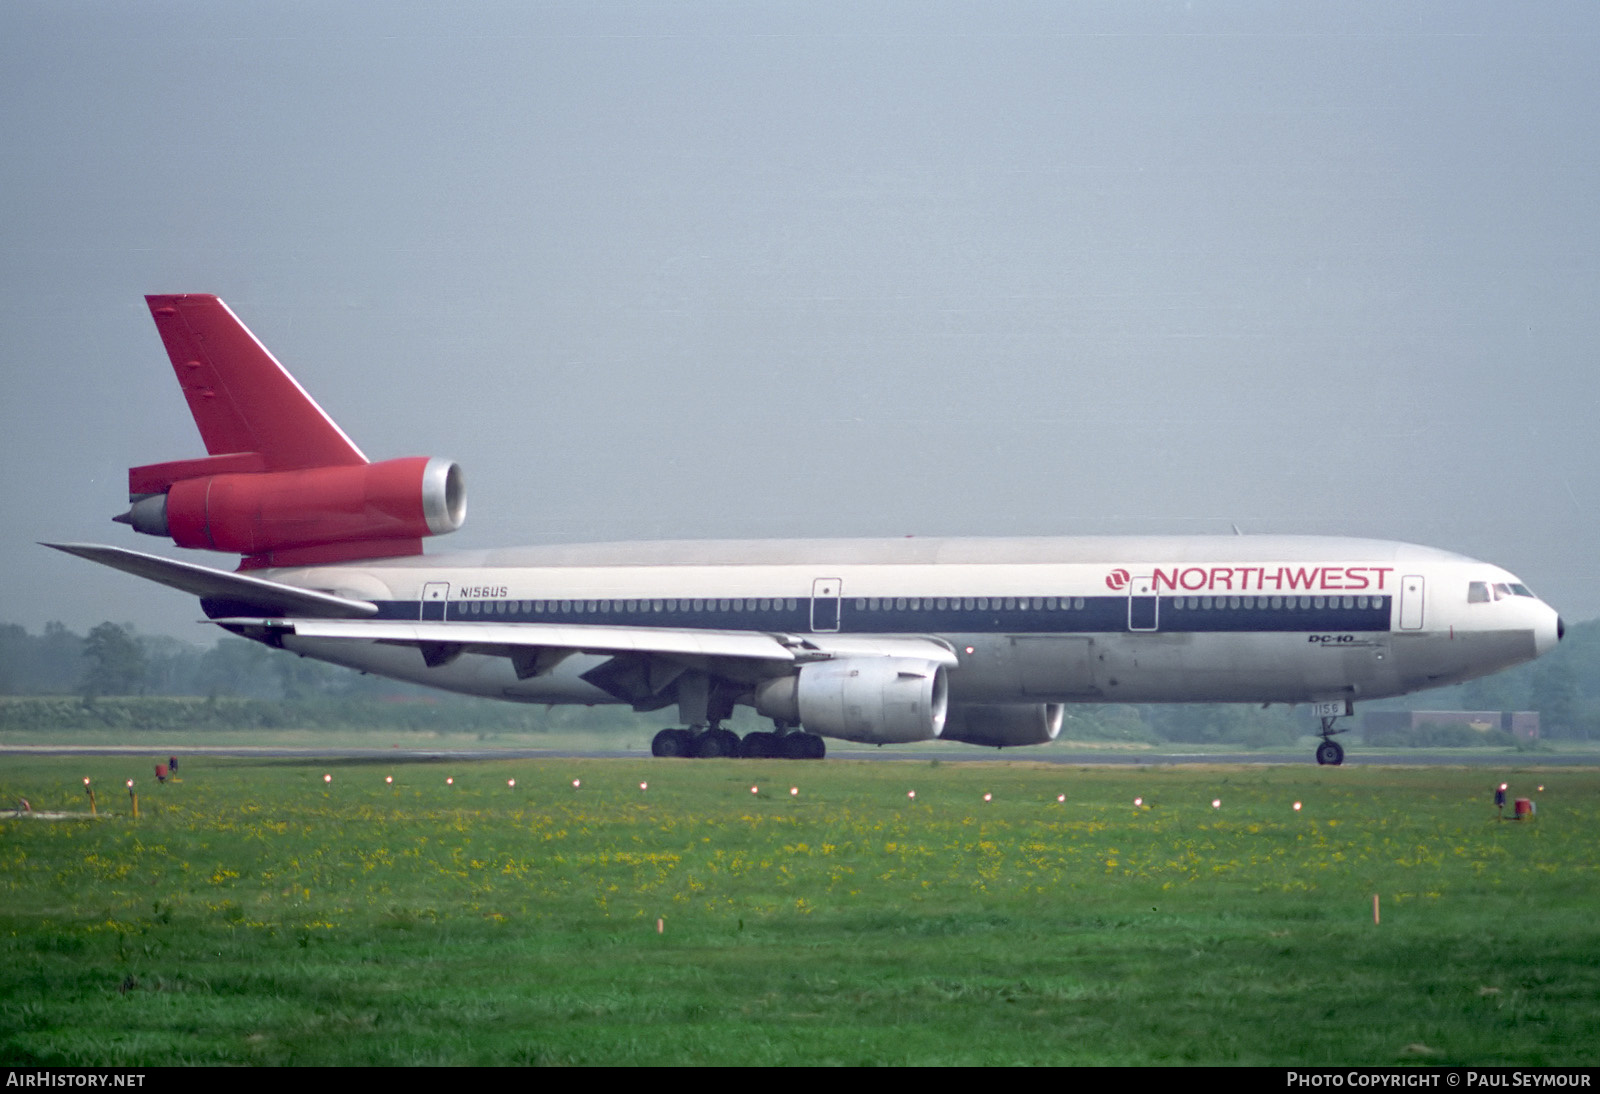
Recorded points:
1353,757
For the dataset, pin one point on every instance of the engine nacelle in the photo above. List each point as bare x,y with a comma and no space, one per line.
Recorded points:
276,515
875,700
1004,725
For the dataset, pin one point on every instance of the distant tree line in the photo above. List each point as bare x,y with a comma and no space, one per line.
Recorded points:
114,659
259,687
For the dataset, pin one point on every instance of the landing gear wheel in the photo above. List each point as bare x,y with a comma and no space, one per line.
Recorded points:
716,744
1330,753
761,745
803,746
672,743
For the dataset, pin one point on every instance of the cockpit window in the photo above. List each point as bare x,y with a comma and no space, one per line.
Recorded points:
1501,590
1478,592
1522,590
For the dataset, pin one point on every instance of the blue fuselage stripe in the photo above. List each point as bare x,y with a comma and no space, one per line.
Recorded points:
1097,615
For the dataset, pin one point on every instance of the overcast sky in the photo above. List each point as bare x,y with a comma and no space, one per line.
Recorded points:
842,269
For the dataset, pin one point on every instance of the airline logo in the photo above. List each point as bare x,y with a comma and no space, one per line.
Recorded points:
1261,579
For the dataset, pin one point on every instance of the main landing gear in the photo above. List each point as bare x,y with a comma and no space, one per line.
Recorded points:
1329,753
703,704
716,742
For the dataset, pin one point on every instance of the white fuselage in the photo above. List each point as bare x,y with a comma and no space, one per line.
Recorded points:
1088,619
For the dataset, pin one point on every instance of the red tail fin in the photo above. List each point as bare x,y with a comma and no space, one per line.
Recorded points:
241,398
283,485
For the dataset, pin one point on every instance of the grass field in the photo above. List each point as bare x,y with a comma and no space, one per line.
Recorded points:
255,913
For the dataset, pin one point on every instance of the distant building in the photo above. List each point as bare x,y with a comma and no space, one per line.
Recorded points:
1435,726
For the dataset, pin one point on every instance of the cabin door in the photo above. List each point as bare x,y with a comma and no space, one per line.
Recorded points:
1144,607
1411,589
435,596
825,604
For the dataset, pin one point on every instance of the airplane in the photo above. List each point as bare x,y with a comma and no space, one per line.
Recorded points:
874,641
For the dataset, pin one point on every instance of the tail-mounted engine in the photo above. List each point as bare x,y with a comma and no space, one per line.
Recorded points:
298,518
283,485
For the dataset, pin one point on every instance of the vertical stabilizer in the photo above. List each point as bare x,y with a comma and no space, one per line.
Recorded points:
242,399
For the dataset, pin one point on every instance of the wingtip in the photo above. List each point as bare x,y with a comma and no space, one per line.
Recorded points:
80,550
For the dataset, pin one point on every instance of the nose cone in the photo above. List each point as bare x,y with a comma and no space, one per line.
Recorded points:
1549,631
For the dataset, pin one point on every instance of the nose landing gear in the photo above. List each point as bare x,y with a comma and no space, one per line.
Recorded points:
1330,753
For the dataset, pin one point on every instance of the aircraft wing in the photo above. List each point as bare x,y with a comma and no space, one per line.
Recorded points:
239,590
677,642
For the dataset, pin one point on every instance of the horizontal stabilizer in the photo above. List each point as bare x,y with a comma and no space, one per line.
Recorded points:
209,584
